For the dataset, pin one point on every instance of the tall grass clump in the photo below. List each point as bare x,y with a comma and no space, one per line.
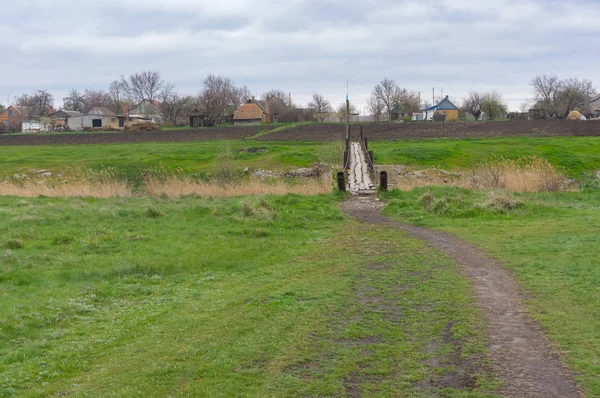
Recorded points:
528,174
160,182
105,183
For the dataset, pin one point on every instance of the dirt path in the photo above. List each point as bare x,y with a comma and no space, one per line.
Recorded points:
520,353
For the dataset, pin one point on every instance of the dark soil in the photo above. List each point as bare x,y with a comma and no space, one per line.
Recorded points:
521,354
205,134
326,132
407,131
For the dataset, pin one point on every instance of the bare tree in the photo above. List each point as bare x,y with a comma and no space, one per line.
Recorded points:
408,101
556,98
388,92
376,107
545,92
38,102
146,85
96,98
574,92
175,106
74,101
473,103
118,96
341,112
320,106
220,98
493,106
277,94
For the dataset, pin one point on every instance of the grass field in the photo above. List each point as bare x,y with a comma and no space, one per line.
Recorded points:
191,157
576,155
274,296
282,296
550,241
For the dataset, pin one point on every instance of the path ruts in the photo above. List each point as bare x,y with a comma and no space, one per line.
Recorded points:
522,356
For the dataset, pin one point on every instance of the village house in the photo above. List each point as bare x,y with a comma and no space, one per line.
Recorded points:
252,112
445,110
148,111
12,118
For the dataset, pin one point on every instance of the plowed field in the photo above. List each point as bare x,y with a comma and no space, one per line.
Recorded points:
327,132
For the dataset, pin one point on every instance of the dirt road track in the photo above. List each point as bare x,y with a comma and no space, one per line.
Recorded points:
519,351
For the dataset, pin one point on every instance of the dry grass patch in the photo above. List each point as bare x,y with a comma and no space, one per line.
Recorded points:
98,184
530,174
180,185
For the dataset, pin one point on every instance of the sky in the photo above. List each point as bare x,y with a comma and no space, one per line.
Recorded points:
300,46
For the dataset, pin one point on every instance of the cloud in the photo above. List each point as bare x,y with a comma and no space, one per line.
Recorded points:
300,46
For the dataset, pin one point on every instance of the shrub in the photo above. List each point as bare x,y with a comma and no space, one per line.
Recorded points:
153,212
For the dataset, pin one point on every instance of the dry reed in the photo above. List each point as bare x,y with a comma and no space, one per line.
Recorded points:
180,185
530,174
98,184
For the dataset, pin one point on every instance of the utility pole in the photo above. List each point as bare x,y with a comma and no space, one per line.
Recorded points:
347,111
433,97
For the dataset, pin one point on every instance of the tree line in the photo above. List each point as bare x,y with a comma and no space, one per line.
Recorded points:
220,97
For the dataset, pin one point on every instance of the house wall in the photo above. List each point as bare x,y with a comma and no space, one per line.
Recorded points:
81,122
450,115
249,114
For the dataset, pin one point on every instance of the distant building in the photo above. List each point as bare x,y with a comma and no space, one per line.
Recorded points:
95,118
252,112
199,119
12,118
147,111
593,106
445,110
61,117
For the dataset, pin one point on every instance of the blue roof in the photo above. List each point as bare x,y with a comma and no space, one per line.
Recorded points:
444,105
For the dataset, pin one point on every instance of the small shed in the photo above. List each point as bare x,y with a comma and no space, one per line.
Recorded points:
97,117
199,119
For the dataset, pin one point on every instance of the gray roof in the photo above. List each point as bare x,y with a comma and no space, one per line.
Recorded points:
67,113
101,111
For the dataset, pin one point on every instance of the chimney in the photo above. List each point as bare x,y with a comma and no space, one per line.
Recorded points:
125,110
50,110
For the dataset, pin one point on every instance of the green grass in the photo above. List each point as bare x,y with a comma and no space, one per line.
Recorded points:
576,155
274,296
133,159
550,241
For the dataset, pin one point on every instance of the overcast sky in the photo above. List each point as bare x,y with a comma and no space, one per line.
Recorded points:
300,46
